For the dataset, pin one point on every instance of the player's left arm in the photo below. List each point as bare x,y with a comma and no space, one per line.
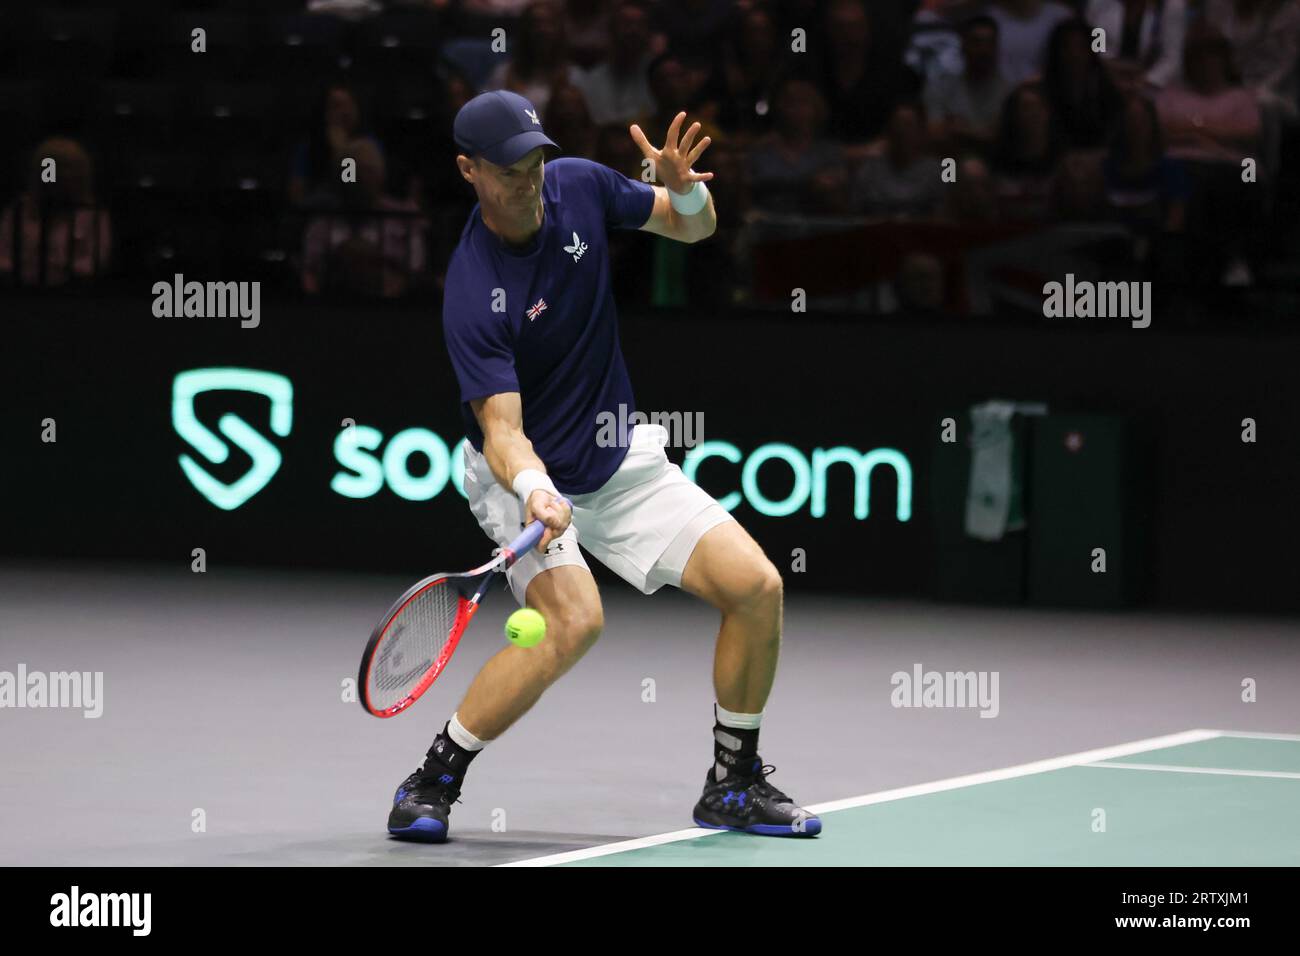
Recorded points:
672,165
666,221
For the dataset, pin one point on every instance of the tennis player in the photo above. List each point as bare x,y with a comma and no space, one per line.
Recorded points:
532,331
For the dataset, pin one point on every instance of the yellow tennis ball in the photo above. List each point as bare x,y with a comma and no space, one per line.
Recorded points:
525,628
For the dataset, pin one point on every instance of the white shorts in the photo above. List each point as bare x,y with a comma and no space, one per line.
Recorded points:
642,524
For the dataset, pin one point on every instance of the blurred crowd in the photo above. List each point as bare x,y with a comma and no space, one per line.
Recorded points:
946,145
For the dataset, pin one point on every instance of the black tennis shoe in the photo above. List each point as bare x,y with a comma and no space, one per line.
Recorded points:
421,807
747,802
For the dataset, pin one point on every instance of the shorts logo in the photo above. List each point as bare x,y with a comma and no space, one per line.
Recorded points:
266,457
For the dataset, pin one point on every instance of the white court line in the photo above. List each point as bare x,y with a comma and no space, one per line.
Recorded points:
901,793
1256,736
1170,768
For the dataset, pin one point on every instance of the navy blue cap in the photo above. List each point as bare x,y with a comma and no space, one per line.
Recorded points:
500,126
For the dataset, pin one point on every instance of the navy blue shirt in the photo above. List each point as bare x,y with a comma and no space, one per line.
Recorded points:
554,339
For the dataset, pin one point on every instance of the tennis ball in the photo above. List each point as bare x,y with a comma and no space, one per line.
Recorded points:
525,628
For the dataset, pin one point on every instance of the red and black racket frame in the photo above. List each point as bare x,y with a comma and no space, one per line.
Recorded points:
471,587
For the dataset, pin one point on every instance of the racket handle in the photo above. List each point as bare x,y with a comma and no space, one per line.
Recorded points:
528,538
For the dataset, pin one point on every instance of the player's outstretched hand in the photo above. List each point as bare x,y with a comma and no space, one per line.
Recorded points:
550,511
672,164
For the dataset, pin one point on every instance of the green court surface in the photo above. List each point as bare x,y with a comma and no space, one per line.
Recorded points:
1199,798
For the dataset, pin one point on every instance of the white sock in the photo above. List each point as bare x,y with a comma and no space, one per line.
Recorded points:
729,718
462,737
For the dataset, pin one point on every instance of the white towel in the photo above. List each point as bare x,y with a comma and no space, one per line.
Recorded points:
994,493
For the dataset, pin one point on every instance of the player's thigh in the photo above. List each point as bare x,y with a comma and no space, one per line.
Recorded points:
730,571
567,597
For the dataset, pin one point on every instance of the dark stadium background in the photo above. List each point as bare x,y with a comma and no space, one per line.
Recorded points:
191,159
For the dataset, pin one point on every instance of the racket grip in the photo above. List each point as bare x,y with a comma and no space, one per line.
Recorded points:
528,538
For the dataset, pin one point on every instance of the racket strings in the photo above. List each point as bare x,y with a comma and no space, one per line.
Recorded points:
414,640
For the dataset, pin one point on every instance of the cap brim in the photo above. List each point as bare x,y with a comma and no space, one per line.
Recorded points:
516,148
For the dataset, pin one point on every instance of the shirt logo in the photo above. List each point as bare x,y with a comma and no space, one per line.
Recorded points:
536,310
577,249
532,115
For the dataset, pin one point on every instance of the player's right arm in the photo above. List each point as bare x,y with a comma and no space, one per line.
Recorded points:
509,453
505,446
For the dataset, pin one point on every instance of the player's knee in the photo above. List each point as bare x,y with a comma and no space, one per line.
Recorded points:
583,626
753,589
571,634
770,587
761,589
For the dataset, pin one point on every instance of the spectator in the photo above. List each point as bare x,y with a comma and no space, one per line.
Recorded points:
618,89
674,87
934,46
457,88
1210,118
616,149
1079,189
694,27
712,278
1024,27
730,189
697,30
537,56
920,288
315,167
373,243
753,63
964,108
1146,190
861,76
587,26
569,124
1084,101
973,198
1264,36
1026,156
448,202
795,169
904,181
1213,123
1144,39
61,217
627,248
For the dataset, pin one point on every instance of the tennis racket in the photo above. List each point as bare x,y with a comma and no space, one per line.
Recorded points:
416,637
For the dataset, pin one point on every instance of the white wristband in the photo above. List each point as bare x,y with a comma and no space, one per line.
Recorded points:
689,203
528,481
